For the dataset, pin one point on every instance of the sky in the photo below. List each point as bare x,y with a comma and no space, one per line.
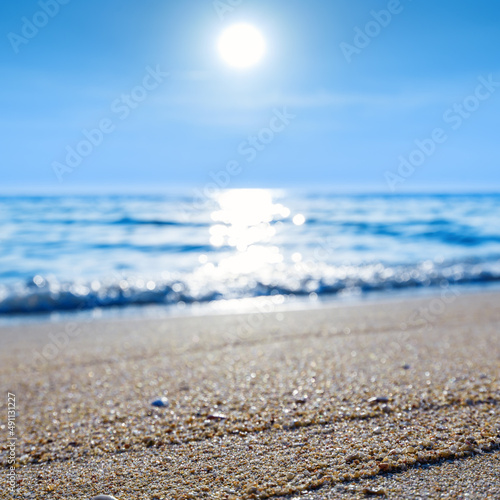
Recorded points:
387,95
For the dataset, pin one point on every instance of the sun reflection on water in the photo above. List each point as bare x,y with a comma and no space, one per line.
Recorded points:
244,218
245,221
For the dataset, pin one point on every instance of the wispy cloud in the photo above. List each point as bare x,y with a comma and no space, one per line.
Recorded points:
311,100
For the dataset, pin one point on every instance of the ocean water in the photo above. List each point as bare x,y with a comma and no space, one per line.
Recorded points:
77,253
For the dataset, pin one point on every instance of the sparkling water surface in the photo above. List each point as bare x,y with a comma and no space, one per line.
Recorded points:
73,253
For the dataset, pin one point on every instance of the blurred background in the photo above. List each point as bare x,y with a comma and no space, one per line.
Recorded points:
359,154
354,116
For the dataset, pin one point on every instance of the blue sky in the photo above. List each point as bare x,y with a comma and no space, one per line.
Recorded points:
356,102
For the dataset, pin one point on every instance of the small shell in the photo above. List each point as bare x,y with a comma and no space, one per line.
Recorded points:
216,416
374,491
104,497
374,401
160,402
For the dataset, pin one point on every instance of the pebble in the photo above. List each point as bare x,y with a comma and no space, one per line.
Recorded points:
161,402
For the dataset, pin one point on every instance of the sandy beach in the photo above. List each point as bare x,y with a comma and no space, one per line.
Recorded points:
395,399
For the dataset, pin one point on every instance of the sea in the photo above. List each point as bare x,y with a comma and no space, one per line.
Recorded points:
187,251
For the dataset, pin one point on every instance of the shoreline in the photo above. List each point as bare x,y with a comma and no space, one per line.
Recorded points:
246,305
326,401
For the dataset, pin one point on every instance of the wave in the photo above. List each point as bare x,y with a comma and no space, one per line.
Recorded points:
124,221
128,221
43,295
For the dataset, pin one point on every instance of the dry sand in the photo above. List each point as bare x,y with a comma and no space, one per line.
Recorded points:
391,399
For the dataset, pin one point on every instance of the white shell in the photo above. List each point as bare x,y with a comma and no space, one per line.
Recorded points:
103,497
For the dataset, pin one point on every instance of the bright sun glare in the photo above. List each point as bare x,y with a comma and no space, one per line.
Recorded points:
241,45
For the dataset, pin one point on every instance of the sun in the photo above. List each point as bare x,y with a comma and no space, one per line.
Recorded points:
241,45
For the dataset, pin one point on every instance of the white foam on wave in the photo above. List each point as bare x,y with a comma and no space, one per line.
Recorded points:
210,283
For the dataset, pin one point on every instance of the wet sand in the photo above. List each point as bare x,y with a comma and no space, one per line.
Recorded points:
396,399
